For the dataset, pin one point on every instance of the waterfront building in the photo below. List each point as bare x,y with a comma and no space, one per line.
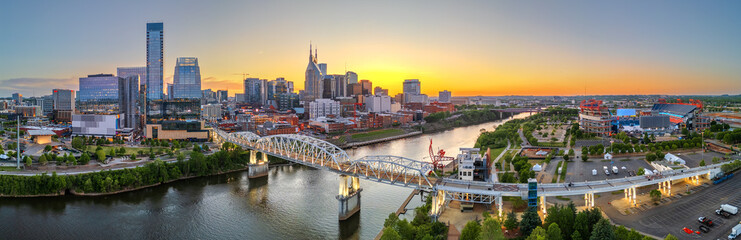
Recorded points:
128,100
377,104
141,72
187,79
155,60
323,107
175,119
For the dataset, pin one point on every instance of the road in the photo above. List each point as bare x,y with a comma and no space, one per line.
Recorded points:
671,217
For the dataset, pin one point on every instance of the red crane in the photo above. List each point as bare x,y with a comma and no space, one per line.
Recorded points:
440,158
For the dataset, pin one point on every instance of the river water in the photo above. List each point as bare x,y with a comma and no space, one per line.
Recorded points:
293,202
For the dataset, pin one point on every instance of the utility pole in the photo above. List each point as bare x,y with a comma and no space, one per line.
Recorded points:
18,141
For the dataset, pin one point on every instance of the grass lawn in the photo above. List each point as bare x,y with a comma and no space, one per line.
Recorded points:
128,149
8,168
373,135
563,171
495,153
550,144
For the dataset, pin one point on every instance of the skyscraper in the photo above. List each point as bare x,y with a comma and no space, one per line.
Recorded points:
252,91
98,87
313,81
222,95
17,98
444,96
155,60
129,71
64,99
367,87
412,86
351,77
187,79
128,97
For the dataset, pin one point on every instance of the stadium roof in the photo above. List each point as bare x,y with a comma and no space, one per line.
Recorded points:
678,109
625,112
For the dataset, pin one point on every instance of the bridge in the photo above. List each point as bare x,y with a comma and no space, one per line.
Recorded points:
405,172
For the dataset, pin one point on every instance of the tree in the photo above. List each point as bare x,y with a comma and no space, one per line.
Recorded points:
391,220
181,156
133,156
390,234
702,163
511,222
84,159
538,234
530,220
554,232
602,231
100,154
47,148
42,159
584,157
641,171
471,231
27,160
576,236
655,195
491,229
670,237
581,224
650,157
566,158
206,148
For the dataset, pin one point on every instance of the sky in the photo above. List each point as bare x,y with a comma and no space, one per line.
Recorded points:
467,47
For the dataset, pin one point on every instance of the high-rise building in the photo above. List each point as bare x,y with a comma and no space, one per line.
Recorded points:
444,96
211,112
169,91
253,90
187,79
412,86
367,87
64,99
351,77
313,78
340,85
155,60
378,104
222,95
323,108
98,87
328,87
141,72
379,91
128,101
17,98
48,105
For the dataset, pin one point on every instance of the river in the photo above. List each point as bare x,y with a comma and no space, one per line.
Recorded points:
293,202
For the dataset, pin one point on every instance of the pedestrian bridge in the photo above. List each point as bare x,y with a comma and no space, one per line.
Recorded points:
416,174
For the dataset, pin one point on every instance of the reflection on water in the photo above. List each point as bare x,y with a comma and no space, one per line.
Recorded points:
293,202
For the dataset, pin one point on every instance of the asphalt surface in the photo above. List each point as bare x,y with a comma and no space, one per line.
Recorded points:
683,212
693,159
579,171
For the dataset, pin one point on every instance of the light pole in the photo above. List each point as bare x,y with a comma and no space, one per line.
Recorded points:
18,141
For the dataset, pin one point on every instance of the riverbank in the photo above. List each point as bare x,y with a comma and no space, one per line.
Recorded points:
358,144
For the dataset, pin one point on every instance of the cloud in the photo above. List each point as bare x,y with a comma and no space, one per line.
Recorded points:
35,86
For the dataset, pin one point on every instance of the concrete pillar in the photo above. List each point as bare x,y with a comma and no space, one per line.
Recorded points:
542,204
669,187
348,197
264,157
634,195
253,157
586,200
592,199
499,202
257,169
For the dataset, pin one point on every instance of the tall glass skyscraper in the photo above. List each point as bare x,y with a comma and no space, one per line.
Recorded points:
133,71
155,56
187,80
128,97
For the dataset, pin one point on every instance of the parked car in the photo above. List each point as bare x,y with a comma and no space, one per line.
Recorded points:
607,172
705,221
704,228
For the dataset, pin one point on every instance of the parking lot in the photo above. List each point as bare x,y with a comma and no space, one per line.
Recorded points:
579,171
683,212
693,159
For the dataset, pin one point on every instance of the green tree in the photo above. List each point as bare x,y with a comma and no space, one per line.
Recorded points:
655,195
702,163
581,224
538,234
47,148
133,156
27,160
511,222
405,230
390,234
566,157
670,237
471,231
491,229
602,231
84,159
101,155
530,220
554,232
391,220
584,157
640,171
42,159
181,156
650,157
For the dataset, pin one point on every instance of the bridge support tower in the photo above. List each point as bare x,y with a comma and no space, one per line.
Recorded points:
257,168
349,197
589,200
438,203
630,195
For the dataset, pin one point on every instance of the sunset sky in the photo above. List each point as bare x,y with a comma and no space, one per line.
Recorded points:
467,47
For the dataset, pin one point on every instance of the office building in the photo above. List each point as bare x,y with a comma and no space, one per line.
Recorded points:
313,78
367,87
339,85
128,101
351,77
287,101
379,91
98,87
187,79
594,117
323,107
28,111
48,105
155,60
328,87
239,97
412,86
222,95
17,98
95,125
175,119
141,72
377,104
444,96
64,99
255,91
211,112
169,91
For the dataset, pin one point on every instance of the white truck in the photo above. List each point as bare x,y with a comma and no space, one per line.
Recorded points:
615,169
735,231
726,210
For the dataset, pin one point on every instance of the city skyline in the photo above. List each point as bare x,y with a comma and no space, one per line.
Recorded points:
496,48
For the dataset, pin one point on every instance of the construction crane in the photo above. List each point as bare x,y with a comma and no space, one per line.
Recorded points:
439,158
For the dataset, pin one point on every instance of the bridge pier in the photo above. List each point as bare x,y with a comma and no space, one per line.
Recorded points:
438,201
630,195
542,204
348,197
500,203
589,200
257,168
